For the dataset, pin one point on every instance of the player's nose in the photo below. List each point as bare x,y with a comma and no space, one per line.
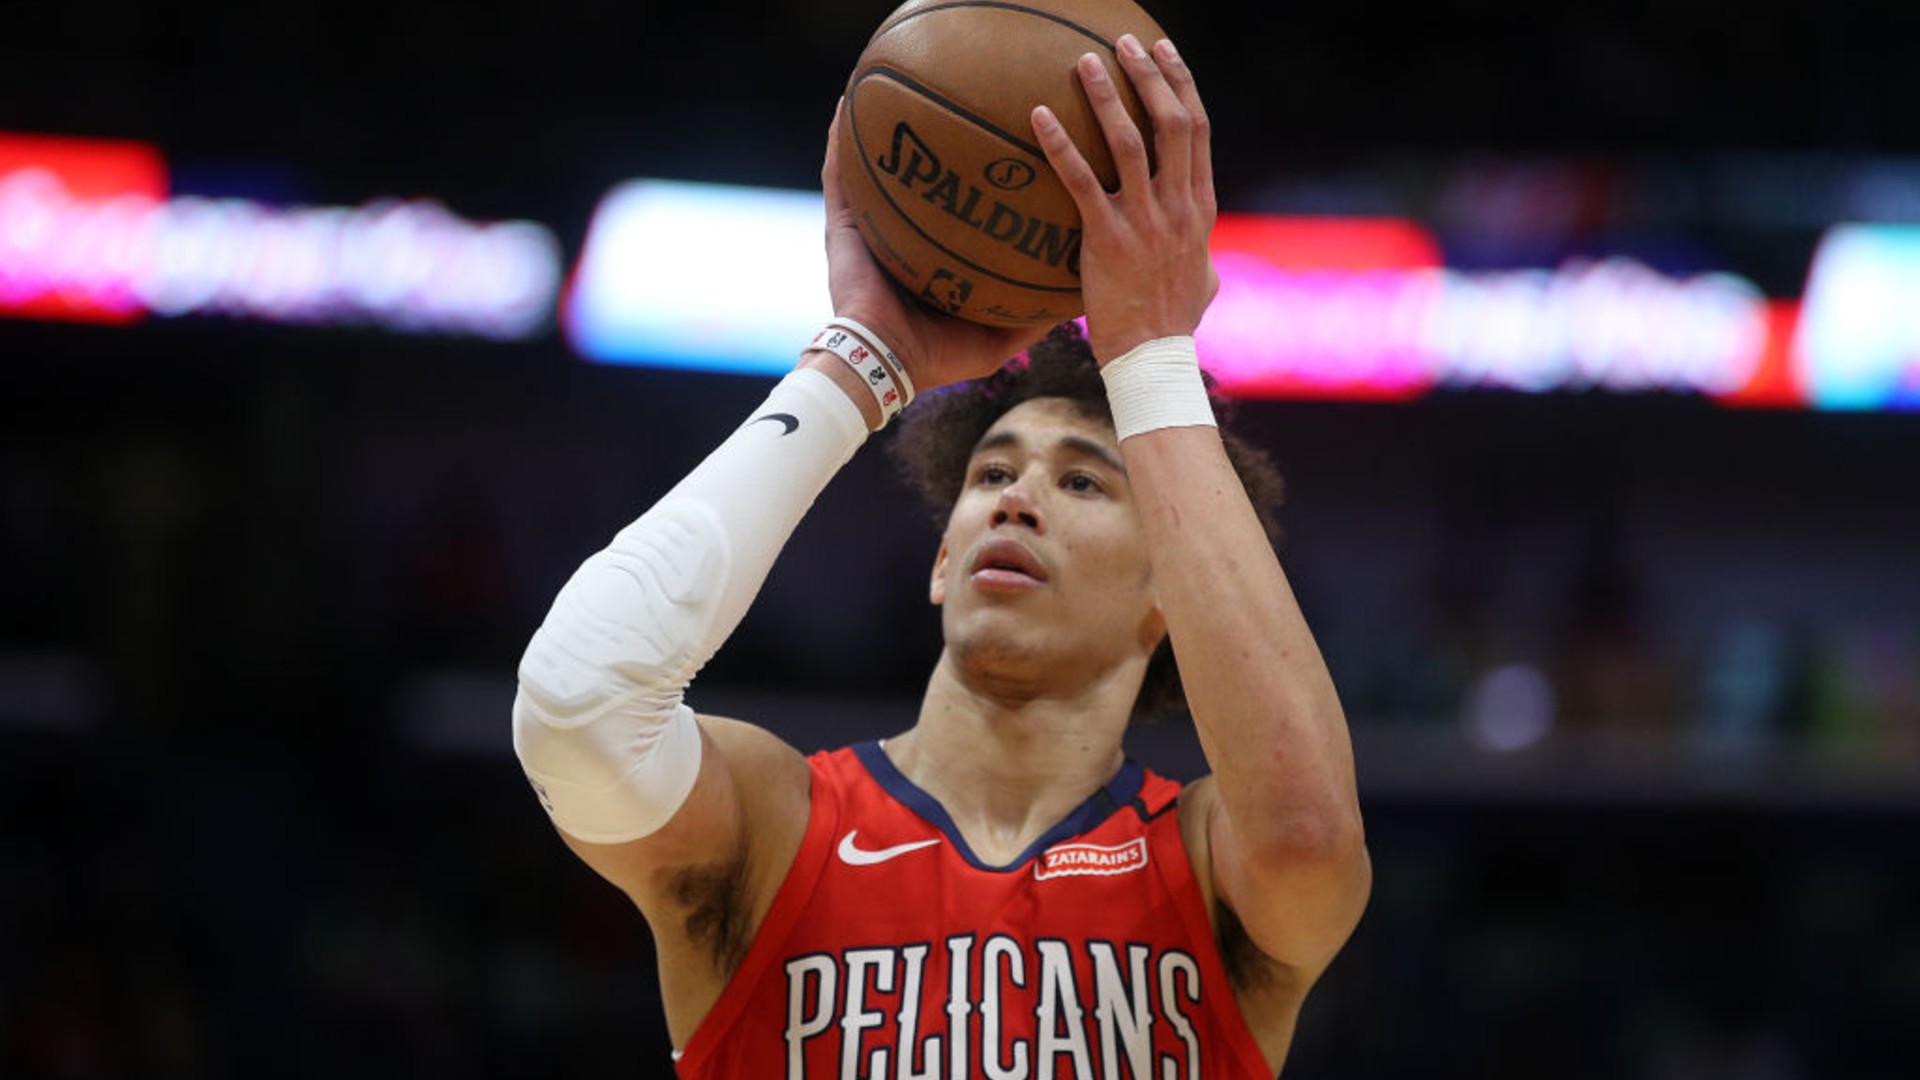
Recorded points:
1017,506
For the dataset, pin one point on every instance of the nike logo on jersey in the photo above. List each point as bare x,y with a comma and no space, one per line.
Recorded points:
854,855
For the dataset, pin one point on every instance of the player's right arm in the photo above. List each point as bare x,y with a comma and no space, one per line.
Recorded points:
695,818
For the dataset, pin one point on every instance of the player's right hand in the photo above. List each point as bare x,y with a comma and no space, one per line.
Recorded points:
937,349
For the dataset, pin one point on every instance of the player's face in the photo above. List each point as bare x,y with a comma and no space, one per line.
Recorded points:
1044,565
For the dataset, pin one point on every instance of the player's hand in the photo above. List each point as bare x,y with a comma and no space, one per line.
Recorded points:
937,349
1144,267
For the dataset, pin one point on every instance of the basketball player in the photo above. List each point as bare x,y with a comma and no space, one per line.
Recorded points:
994,892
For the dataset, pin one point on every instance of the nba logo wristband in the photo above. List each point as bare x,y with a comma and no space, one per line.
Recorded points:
898,369
865,359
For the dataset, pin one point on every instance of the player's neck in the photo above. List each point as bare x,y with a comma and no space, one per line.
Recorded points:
1008,769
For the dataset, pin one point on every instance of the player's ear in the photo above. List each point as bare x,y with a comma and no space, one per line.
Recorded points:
937,588
1153,628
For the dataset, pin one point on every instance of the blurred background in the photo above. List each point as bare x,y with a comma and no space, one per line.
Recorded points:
1612,539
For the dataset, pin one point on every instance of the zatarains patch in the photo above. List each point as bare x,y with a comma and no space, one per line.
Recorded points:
1067,860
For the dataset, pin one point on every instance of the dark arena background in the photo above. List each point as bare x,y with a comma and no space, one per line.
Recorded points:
332,337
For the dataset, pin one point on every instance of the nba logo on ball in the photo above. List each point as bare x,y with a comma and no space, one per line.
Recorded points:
947,291
939,162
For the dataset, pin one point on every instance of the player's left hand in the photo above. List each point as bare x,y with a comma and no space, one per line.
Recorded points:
1144,267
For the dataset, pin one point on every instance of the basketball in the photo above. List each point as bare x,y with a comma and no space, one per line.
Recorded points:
939,162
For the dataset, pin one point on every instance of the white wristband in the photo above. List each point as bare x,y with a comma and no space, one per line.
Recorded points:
864,359
1157,385
893,361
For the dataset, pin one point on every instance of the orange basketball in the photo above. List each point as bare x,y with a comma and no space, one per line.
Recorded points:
939,161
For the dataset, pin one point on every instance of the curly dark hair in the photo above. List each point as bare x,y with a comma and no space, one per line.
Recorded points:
937,435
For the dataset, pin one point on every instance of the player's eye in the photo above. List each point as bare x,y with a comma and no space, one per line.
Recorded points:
992,474
1081,483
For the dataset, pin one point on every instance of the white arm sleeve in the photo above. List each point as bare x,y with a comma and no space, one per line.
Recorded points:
599,724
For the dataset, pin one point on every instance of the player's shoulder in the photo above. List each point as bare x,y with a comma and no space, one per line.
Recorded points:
758,759
1198,798
732,734
1197,801
1269,992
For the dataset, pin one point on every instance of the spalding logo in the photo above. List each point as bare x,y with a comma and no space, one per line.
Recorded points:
915,167
1009,174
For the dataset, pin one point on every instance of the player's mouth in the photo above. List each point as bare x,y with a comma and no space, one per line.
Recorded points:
1003,564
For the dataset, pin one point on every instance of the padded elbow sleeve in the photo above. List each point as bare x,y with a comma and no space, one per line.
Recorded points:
609,781
634,623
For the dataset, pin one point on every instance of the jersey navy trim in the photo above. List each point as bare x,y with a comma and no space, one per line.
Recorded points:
1123,790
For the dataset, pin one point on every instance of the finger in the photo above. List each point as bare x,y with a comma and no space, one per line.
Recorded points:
1172,128
1068,163
1180,77
830,167
1124,141
847,255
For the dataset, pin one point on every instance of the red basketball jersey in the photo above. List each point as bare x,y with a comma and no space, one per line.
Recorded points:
892,953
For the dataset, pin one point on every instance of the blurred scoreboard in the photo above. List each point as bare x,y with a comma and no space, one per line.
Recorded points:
726,278
89,232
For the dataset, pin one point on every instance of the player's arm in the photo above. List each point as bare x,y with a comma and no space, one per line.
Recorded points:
1284,830
641,788
696,819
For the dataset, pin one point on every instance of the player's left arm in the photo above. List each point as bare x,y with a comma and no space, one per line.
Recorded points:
1283,825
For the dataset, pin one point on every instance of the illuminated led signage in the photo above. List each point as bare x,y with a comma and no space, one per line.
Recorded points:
67,208
732,278
1859,341
705,276
88,233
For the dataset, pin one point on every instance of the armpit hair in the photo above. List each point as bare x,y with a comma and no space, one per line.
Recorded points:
1248,969
712,898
